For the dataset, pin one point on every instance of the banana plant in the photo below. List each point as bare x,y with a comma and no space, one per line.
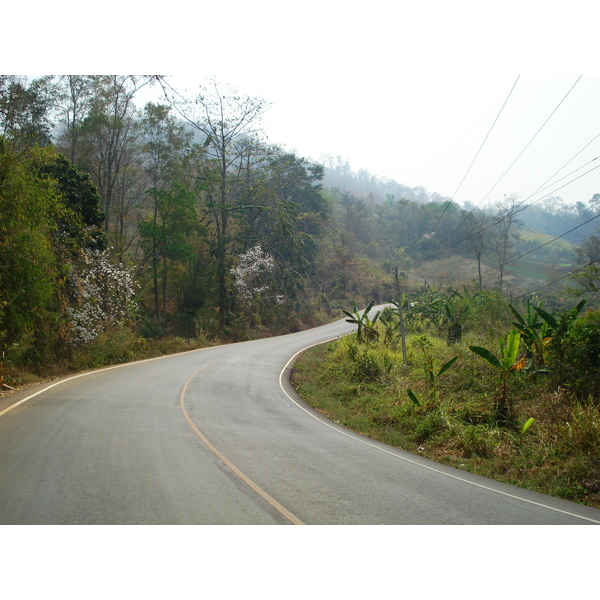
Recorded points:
506,364
559,325
366,327
424,343
535,333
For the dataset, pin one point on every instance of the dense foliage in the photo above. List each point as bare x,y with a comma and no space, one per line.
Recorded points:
178,220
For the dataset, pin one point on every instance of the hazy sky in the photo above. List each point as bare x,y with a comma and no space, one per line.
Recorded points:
427,131
404,90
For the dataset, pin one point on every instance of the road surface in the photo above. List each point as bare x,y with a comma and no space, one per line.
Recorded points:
217,436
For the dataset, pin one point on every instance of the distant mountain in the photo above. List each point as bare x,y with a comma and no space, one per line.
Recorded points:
339,174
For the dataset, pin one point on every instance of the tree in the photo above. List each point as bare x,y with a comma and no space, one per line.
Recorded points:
72,107
475,226
504,232
283,210
165,237
401,222
167,146
82,222
255,281
587,277
102,293
297,181
226,120
29,267
107,140
25,111
337,268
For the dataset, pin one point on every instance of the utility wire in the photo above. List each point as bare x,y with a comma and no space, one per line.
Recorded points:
522,151
531,140
553,239
478,152
544,186
555,281
520,209
540,189
542,245
162,81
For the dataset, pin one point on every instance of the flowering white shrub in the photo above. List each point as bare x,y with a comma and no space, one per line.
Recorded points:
252,274
103,295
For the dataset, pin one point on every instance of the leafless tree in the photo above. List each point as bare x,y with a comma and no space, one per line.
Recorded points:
504,232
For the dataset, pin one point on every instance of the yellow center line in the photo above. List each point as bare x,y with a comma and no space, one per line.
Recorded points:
276,505
280,508
45,388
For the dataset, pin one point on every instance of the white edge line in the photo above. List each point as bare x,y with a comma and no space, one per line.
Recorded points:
414,462
65,380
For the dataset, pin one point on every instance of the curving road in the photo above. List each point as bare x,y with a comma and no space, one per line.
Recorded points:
217,436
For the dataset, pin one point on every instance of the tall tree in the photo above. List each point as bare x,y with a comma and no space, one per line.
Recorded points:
167,149
29,265
226,120
475,228
504,233
283,210
25,110
73,104
108,139
167,146
165,237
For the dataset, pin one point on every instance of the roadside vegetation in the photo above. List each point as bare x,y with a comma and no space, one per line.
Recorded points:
509,392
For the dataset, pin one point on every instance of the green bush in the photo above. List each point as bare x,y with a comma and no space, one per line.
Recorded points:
581,368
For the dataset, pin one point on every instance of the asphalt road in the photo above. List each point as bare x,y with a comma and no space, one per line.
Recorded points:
217,436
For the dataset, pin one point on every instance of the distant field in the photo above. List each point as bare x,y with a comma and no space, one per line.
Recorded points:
455,270
458,271
538,273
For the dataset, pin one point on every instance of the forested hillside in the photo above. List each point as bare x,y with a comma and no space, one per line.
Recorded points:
122,225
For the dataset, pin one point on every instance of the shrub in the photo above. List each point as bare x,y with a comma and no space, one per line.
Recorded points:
369,364
581,368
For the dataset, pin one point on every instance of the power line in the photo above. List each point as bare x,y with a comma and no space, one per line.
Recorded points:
478,152
520,209
542,188
553,239
162,81
555,281
522,151
531,140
